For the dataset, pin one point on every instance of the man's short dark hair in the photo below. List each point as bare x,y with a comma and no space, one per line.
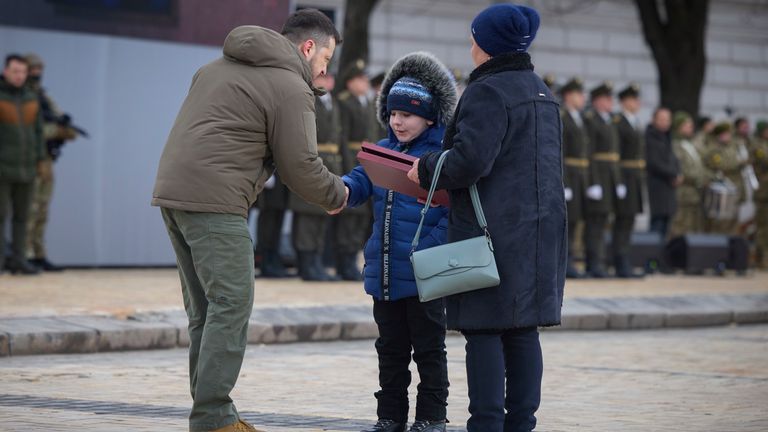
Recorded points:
312,24
15,57
739,121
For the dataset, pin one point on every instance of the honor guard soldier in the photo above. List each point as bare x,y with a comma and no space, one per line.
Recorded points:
358,124
759,160
605,176
575,163
310,222
632,163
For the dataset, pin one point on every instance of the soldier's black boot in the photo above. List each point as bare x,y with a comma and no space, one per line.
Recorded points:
595,268
386,425
321,270
624,268
272,265
571,272
306,267
346,267
428,426
21,266
45,265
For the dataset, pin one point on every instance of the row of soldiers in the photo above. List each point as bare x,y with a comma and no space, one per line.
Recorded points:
29,120
609,159
345,120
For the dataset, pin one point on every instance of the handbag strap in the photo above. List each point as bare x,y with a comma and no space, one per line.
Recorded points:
473,193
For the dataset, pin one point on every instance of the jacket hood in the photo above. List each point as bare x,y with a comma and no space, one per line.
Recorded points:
262,47
431,73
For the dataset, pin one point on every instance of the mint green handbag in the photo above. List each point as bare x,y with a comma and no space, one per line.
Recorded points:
454,268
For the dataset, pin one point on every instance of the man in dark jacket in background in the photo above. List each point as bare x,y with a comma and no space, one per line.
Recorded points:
632,163
22,153
663,171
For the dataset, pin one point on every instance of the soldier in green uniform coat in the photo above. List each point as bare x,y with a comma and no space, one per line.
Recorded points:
604,175
22,153
575,164
689,217
722,157
310,222
759,160
632,163
358,124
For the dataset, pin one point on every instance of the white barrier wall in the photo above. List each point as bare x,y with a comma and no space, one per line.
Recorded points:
126,93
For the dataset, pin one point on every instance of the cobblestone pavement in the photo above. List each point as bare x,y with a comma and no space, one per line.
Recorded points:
709,379
123,292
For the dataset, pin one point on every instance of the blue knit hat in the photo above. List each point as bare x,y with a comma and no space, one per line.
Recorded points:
505,28
409,95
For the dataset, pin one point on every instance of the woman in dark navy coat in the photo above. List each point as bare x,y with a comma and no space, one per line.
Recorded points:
506,137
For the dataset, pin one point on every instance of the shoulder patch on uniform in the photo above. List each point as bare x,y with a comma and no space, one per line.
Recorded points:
589,114
617,118
344,95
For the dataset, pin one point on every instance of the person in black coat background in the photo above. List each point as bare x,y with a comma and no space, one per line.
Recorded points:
663,171
506,137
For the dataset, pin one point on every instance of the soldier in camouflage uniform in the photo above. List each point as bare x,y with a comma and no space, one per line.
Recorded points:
358,124
604,175
722,157
689,217
759,160
310,222
55,135
632,163
575,164
704,127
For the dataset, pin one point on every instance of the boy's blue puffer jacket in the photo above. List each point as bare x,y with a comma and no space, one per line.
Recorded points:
401,214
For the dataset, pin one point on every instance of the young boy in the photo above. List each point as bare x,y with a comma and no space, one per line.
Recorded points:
417,99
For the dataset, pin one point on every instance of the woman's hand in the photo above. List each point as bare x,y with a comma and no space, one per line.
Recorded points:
413,174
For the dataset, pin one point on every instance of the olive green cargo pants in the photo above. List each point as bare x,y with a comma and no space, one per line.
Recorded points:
214,253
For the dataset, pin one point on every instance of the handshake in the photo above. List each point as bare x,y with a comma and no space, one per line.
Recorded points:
343,206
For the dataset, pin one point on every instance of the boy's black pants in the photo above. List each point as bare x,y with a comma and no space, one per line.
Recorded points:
408,325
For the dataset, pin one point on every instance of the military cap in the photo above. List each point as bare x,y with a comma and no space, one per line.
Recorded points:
378,78
604,89
356,69
679,118
550,80
34,60
760,127
721,128
574,84
632,90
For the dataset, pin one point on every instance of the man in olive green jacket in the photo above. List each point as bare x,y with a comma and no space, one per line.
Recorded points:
21,152
248,113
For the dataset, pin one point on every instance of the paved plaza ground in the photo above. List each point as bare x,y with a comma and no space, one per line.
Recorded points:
123,292
702,379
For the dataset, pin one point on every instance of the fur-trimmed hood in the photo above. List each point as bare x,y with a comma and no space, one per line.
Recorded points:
430,72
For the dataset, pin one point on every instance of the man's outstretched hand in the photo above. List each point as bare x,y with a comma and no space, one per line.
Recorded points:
346,198
413,174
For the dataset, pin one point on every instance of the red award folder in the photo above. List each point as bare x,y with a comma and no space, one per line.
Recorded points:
389,169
